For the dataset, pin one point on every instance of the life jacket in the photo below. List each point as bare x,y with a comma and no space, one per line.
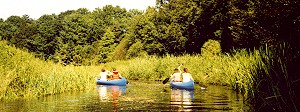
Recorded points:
115,75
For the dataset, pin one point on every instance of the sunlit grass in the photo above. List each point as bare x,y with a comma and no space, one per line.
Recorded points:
24,76
235,71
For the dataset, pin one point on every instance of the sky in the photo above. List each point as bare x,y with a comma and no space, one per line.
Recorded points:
37,8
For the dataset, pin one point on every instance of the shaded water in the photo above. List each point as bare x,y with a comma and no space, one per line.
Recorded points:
136,96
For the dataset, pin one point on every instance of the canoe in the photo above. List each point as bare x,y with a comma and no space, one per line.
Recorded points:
120,82
183,85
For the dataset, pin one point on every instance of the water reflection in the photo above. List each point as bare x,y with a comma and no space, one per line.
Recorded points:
139,96
182,100
107,92
102,90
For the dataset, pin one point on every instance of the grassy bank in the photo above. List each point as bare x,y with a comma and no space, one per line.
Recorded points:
24,76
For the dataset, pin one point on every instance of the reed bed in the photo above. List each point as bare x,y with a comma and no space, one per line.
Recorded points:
269,79
277,80
235,71
24,76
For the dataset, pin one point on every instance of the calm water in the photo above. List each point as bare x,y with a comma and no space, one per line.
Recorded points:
137,96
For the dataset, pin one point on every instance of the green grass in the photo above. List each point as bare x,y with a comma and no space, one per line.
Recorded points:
24,76
270,78
235,71
277,80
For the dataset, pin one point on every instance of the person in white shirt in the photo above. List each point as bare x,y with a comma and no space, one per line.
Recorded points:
186,77
104,74
176,75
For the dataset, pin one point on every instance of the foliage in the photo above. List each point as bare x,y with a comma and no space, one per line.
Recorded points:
121,50
74,37
172,28
25,76
143,31
277,80
234,71
135,50
211,48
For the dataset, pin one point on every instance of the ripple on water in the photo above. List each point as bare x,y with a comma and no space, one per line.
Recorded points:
138,96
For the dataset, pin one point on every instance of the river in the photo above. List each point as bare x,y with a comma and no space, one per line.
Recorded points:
136,96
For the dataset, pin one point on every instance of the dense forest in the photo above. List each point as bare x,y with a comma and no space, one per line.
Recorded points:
83,37
173,27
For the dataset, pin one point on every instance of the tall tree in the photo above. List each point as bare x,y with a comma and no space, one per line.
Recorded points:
25,29
45,43
73,34
143,30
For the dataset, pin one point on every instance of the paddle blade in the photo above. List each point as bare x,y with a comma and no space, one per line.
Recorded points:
166,80
201,85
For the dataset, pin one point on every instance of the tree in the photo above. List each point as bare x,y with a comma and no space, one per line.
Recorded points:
24,30
121,50
107,45
13,23
143,30
72,36
2,26
45,43
136,50
183,26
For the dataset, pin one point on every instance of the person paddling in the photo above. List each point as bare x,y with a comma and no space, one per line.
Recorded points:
176,76
103,74
186,76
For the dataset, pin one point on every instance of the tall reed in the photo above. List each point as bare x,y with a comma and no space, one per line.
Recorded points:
234,71
24,76
253,73
277,80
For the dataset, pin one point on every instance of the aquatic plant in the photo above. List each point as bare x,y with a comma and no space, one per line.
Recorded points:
259,74
277,79
24,76
230,70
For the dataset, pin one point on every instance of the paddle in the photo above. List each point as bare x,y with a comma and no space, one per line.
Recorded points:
201,85
166,80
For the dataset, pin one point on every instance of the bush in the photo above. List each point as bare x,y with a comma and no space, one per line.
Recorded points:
211,48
